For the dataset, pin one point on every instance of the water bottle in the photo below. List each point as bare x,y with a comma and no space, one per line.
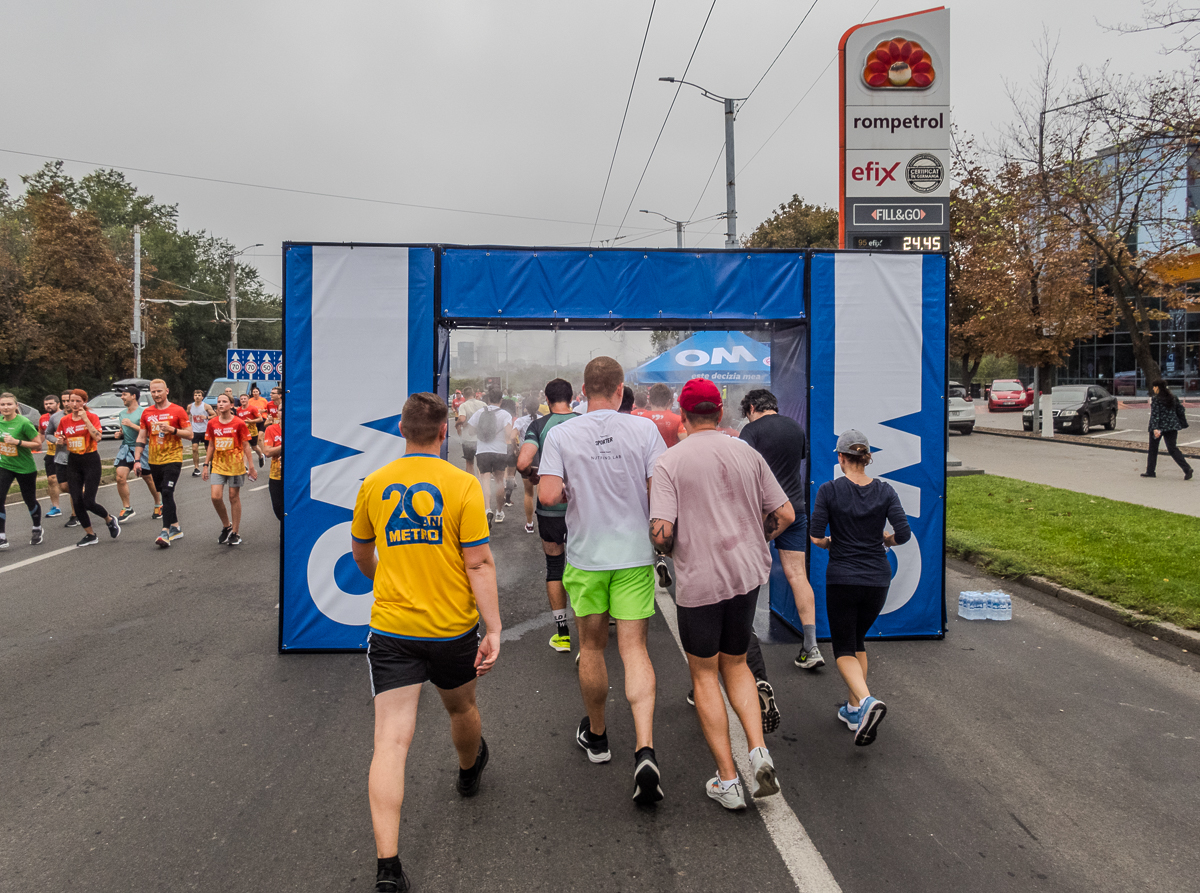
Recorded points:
981,606
991,605
969,606
1004,607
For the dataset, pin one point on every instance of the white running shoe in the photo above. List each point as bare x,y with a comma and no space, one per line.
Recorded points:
529,528
765,781
499,516
730,797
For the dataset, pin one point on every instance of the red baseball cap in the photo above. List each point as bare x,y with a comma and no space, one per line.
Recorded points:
697,391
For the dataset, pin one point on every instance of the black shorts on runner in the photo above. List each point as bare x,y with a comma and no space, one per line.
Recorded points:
395,662
553,528
254,441
495,463
725,626
469,451
199,438
51,467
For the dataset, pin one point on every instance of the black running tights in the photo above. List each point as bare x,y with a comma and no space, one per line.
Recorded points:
276,489
851,611
165,477
83,480
28,484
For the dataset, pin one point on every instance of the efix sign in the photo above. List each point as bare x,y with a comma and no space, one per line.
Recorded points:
894,145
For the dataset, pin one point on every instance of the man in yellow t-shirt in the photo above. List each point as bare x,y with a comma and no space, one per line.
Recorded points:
420,534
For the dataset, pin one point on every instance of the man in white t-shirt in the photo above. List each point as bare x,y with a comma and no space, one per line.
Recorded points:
467,409
200,413
601,463
493,429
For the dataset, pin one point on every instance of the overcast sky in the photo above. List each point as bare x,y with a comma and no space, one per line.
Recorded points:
505,108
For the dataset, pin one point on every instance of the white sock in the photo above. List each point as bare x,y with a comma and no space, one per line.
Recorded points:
560,616
726,785
765,753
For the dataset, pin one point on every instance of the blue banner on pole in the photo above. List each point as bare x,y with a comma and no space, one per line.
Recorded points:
254,365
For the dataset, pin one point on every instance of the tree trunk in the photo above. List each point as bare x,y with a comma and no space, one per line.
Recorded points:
1141,340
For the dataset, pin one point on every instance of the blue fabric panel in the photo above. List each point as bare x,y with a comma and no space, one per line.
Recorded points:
544,284
422,337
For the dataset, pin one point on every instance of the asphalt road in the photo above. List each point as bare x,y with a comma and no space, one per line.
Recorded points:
153,739
1133,420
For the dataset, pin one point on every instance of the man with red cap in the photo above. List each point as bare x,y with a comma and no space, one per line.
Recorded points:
707,494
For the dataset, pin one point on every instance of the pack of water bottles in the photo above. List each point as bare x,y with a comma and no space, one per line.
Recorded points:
994,605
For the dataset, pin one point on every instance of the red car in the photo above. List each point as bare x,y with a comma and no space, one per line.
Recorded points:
1009,394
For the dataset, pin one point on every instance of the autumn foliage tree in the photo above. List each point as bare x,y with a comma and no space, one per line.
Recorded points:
797,224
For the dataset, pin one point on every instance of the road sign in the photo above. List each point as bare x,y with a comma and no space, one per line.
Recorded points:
254,365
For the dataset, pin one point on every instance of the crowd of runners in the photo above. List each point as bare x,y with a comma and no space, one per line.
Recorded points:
623,492
224,442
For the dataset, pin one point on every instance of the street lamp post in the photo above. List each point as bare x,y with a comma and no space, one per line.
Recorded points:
730,193
233,320
679,225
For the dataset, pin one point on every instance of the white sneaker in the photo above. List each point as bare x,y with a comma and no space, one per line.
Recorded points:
529,528
499,516
731,797
765,782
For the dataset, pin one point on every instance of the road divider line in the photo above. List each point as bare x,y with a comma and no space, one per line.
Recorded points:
256,489
1111,433
37,558
804,861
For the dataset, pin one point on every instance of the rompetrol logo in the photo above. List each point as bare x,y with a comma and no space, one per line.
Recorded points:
898,64
924,172
417,516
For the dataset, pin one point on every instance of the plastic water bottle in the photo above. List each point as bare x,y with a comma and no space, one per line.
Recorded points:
970,605
991,605
1003,610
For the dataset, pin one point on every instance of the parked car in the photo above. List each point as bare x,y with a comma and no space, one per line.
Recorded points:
29,412
108,406
1009,394
961,408
1078,408
217,388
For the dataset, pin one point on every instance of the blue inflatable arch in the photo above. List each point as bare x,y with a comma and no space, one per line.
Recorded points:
856,340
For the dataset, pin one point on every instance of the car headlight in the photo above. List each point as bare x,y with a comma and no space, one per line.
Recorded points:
1028,411
1068,413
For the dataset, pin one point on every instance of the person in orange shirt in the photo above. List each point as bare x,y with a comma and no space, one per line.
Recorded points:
165,426
670,426
252,417
257,400
79,431
273,447
226,465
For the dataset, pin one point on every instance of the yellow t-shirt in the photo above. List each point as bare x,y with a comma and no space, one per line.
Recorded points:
420,511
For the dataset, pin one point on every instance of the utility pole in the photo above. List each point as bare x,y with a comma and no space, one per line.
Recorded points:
730,193
136,336
233,302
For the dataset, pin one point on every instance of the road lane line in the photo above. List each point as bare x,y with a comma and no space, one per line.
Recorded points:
801,856
1111,433
37,558
256,489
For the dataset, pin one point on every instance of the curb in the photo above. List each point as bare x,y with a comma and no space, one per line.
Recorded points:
1187,639
1123,445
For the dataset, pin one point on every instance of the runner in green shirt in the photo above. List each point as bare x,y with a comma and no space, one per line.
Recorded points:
18,439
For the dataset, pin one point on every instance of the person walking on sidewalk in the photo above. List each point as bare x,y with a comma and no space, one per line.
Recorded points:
710,493
601,464
1167,419
855,508
420,535
18,439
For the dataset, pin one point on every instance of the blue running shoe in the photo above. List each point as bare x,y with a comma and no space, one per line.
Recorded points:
53,512
848,715
870,714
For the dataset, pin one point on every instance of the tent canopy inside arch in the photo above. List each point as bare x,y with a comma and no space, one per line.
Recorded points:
724,357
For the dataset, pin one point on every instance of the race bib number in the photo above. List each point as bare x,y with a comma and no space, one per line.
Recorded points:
8,449
223,444
76,444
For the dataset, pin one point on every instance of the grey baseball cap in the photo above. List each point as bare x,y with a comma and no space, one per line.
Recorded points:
853,442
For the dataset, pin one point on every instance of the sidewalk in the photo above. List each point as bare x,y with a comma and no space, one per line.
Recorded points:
1113,474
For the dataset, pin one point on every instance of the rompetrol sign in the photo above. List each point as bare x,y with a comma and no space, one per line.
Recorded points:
895,125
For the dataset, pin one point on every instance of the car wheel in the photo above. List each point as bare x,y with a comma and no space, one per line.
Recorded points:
1084,424
1112,421
968,430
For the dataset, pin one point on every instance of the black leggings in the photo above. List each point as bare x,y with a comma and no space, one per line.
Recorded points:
83,479
1169,437
28,484
165,477
275,488
851,611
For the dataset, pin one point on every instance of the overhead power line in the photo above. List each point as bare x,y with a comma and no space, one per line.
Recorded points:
624,115
780,53
352,198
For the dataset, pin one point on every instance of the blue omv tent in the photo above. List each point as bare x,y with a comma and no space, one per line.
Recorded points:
724,357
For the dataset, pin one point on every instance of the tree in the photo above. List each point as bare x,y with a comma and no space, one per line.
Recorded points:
797,224
1174,16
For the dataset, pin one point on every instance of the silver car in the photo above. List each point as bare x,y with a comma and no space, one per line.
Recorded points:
961,408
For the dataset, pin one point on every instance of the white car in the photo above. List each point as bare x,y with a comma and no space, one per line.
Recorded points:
961,408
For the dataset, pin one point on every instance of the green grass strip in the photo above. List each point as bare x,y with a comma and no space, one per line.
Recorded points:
1141,558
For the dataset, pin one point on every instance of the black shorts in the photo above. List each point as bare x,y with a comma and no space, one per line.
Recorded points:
851,611
254,441
395,663
51,467
553,528
199,438
469,451
725,626
491,462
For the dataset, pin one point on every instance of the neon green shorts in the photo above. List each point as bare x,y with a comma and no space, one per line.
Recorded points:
625,594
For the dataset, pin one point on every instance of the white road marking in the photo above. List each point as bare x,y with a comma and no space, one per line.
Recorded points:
256,489
803,860
42,557
1111,433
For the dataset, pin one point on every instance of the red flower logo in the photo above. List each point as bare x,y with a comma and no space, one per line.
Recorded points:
899,63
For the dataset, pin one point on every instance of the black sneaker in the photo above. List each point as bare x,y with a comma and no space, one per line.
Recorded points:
195,472
4,543
260,460
595,745
72,522
646,788
224,537
1148,474
468,779
664,573
35,537
766,703
90,540
234,540
387,881
691,697
114,526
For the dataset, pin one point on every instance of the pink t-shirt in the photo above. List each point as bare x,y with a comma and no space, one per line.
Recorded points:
715,489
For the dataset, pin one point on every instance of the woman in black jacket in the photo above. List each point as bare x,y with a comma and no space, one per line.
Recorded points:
1166,420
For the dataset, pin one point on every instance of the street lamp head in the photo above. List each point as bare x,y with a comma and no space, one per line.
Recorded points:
668,80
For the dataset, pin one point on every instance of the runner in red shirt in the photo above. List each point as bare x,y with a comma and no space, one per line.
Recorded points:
79,431
252,417
165,426
271,413
670,426
273,447
641,404
52,407
226,465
